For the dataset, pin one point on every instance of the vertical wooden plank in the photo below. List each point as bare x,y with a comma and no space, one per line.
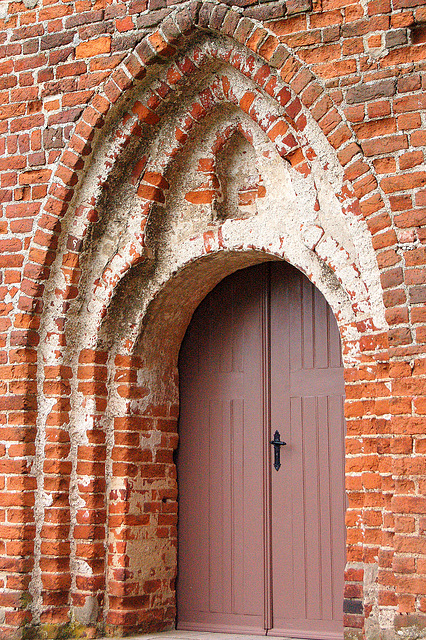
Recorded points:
338,503
295,319
325,495
237,342
321,343
251,286
297,513
216,513
307,324
311,508
191,530
237,560
224,329
284,347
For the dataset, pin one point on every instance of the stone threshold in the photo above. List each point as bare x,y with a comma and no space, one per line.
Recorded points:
193,635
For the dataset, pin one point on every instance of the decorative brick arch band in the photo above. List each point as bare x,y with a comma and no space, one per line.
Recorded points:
144,114
159,47
121,434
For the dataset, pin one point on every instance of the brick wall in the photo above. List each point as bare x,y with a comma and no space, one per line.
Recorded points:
120,211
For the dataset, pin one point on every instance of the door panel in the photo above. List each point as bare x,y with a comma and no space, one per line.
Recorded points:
221,436
262,551
306,586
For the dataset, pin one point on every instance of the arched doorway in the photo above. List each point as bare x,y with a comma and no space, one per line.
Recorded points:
262,549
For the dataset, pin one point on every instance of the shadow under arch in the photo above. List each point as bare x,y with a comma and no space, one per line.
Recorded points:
182,294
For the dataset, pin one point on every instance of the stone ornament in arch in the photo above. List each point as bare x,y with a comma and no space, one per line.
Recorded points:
139,250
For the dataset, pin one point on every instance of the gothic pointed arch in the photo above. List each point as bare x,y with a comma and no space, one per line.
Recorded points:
210,148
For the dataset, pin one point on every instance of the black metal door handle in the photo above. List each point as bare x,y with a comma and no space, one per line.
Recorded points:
277,443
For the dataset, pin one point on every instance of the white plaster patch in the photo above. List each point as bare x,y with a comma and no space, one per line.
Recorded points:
83,568
326,156
311,234
386,617
411,633
88,613
84,420
47,499
151,441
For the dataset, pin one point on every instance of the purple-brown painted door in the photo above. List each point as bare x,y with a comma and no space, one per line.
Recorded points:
261,551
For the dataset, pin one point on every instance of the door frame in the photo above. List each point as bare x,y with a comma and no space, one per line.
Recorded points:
266,339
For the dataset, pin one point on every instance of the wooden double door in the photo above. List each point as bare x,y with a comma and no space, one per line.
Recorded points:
262,550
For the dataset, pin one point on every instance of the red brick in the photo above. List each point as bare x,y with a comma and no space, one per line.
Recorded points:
411,218
201,197
93,47
384,144
409,121
151,193
418,138
375,128
144,114
410,159
403,182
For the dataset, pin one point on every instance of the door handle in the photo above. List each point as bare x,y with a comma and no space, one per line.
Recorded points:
277,444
